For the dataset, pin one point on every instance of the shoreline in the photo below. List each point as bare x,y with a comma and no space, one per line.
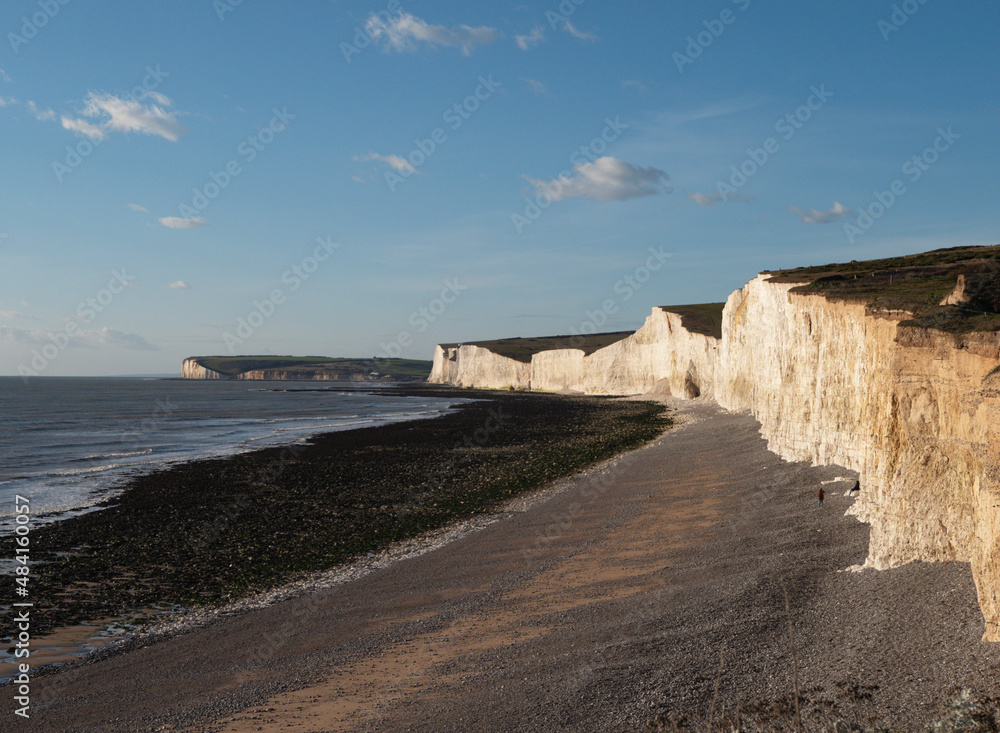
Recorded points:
103,470
224,537
605,605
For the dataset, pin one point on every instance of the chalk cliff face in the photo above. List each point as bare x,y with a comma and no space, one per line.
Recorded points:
661,350
910,409
915,411
191,369
471,366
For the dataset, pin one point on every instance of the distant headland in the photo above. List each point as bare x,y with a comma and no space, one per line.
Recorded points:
313,368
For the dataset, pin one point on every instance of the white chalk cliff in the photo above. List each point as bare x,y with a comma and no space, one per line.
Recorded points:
661,350
191,369
915,411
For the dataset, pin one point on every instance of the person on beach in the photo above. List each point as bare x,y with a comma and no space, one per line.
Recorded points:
821,497
855,489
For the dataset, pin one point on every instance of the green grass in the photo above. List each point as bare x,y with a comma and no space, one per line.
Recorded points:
522,349
704,318
232,366
914,284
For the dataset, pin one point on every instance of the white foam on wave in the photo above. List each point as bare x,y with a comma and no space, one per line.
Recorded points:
109,456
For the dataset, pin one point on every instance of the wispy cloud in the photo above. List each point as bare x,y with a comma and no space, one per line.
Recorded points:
3,75
179,285
403,33
126,114
136,207
393,161
80,339
39,113
114,337
175,222
82,127
837,213
536,36
22,336
711,199
574,31
606,179
635,84
536,86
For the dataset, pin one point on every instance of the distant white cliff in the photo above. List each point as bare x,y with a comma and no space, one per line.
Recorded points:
915,411
661,350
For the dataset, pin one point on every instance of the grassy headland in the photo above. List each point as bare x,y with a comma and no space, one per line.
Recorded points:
309,367
915,284
522,349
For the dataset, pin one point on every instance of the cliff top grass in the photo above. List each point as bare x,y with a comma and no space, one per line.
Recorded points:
232,366
703,318
522,349
915,284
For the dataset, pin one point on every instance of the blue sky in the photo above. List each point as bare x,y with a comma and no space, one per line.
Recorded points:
354,178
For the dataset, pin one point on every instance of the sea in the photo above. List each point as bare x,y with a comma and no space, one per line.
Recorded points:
68,443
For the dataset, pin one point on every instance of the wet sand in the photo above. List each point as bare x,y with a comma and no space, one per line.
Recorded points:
596,608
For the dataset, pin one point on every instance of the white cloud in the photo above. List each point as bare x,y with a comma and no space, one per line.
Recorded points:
394,161
606,179
40,114
136,207
82,127
573,30
113,337
402,32
3,75
837,213
536,36
179,285
536,86
11,315
711,199
158,98
21,336
175,222
633,83
116,114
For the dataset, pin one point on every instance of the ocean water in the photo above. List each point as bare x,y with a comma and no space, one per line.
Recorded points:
67,443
